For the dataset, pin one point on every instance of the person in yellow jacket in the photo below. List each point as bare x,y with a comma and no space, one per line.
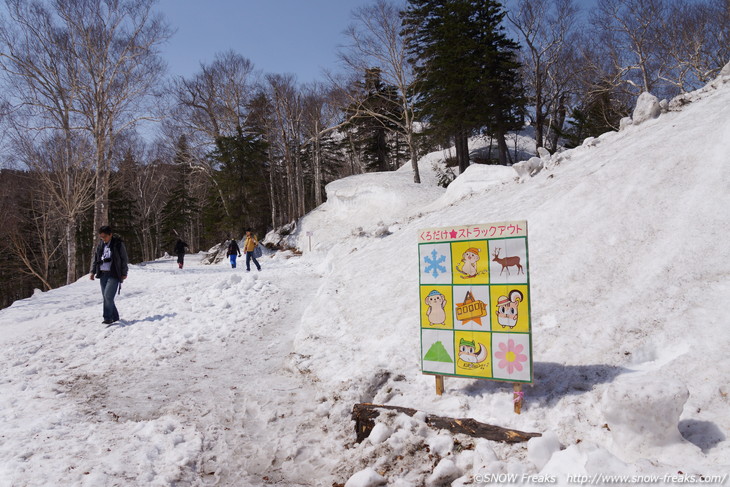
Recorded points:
248,247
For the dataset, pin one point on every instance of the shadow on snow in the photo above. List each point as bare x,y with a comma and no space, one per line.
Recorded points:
552,382
125,323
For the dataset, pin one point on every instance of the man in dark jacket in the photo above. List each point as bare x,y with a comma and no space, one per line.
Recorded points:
110,265
180,247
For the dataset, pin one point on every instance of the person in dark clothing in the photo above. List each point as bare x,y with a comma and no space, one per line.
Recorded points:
180,247
233,251
110,265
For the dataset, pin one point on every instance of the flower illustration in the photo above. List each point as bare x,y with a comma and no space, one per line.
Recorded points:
510,356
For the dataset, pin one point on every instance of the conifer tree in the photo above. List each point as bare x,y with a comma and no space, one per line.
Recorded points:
370,122
181,206
124,215
466,69
242,178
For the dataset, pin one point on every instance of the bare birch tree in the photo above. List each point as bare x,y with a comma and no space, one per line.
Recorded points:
262,118
40,72
36,251
627,38
375,42
287,113
546,30
321,113
61,165
213,103
145,184
114,46
695,42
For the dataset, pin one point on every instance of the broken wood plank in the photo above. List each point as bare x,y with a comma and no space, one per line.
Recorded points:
364,415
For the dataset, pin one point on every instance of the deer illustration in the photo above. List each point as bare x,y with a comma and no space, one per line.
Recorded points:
507,262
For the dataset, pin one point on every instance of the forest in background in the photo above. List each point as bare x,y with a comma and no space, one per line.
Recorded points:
234,148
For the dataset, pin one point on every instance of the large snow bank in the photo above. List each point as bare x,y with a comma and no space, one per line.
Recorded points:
476,179
369,204
364,204
626,237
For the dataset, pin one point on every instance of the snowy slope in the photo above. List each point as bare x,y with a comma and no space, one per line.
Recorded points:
222,377
629,280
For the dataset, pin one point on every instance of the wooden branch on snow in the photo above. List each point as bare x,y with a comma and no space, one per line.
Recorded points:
364,415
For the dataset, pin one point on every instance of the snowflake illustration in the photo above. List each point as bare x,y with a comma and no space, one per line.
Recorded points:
434,264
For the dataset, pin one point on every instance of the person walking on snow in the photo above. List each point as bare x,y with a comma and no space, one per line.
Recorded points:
180,247
248,247
233,251
110,265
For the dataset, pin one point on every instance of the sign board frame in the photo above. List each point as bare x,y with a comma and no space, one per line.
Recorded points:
474,294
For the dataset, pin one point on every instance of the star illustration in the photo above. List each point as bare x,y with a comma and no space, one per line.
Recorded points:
453,233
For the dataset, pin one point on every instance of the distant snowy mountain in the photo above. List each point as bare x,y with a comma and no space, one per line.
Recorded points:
219,376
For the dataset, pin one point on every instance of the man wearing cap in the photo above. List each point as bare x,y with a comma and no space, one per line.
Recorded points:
110,265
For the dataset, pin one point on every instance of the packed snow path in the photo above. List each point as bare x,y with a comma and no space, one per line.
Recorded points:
191,388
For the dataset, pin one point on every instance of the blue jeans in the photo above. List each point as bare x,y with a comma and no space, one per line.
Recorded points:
249,258
233,260
109,288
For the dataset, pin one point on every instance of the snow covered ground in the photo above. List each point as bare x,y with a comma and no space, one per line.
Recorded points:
222,377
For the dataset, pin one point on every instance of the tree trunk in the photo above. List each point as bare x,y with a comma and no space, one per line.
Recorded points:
301,203
355,163
539,119
461,141
559,121
101,190
364,414
381,149
101,200
290,183
414,158
318,200
70,251
503,150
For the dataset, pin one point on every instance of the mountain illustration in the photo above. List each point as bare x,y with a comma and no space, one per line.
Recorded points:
438,353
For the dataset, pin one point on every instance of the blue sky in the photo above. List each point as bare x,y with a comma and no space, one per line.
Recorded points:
278,36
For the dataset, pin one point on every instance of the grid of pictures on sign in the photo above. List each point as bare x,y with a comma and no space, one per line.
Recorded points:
475,301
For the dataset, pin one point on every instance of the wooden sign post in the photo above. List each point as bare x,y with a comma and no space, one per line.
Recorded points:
474,298
518,396
439,385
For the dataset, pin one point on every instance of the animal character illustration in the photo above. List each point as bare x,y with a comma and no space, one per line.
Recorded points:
507,262
507,307
436,312
468,264
468,351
